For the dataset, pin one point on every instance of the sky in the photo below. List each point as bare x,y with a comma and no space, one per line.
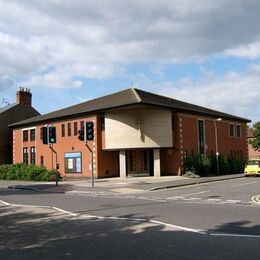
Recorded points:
204,52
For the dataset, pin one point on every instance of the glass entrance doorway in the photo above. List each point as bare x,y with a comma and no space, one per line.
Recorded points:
138,162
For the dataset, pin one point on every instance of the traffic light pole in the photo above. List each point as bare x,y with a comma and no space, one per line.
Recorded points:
92,165
56,159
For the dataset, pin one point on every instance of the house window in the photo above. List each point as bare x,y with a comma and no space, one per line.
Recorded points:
25,136
75,128
32,135
32,155
69,129
25,154
73,162
62,130
231,130
238,130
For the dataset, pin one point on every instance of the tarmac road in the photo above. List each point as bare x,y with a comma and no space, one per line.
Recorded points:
210,221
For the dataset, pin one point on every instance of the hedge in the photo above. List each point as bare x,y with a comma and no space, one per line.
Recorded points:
26,172
205,166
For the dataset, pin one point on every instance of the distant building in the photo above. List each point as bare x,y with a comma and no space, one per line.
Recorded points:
252,153
10,114
136,133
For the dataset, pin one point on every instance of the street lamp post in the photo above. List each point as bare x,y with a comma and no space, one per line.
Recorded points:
216,142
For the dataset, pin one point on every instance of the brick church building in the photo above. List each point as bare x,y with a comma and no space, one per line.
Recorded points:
136,133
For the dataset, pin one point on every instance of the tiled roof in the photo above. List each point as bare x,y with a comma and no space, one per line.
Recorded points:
7,107
128,97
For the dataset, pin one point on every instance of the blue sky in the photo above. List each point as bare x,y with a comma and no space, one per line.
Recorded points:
204,52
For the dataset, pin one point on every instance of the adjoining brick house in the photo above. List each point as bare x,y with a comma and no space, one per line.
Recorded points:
136,133
12,113
252,153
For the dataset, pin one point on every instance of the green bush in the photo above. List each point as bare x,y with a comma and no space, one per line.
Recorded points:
198,164
26,172
205,166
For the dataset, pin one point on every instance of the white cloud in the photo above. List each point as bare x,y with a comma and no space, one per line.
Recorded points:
94,38
58,43
232,93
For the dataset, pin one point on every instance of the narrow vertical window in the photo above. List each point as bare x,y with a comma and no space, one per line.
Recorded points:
32,135
25,136
63,130
25,155
75,128
238,130
69,129
32,155
201,137
231,130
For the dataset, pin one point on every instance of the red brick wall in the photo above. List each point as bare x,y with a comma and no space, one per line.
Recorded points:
226,144
64,145
185,135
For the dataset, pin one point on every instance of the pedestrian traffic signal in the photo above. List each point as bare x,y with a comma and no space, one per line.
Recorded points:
52,135
81,134
44,135
89,131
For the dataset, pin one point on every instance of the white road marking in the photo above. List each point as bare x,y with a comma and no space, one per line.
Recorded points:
149,220
65,211
28,205
203,232
214,199
192,198
233,201
5,203
201,192
175,197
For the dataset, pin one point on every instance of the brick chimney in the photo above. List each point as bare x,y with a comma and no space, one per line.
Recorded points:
24,96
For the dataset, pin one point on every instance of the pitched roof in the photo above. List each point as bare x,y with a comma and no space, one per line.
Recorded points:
128,97
7,107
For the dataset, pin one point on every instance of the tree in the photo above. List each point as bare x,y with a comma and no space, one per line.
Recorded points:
256,136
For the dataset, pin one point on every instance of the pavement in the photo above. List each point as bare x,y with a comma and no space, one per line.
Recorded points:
114,185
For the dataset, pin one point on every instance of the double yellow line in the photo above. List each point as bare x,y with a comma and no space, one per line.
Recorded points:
256,199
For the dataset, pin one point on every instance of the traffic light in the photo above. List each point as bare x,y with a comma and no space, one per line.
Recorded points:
89,131
81,134
48,135
44,135
52,135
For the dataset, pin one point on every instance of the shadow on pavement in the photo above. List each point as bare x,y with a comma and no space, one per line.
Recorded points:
36,189
40,234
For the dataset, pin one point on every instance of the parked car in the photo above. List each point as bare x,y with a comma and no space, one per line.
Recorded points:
252,168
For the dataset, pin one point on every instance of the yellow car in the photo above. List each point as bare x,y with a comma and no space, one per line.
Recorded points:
252,167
